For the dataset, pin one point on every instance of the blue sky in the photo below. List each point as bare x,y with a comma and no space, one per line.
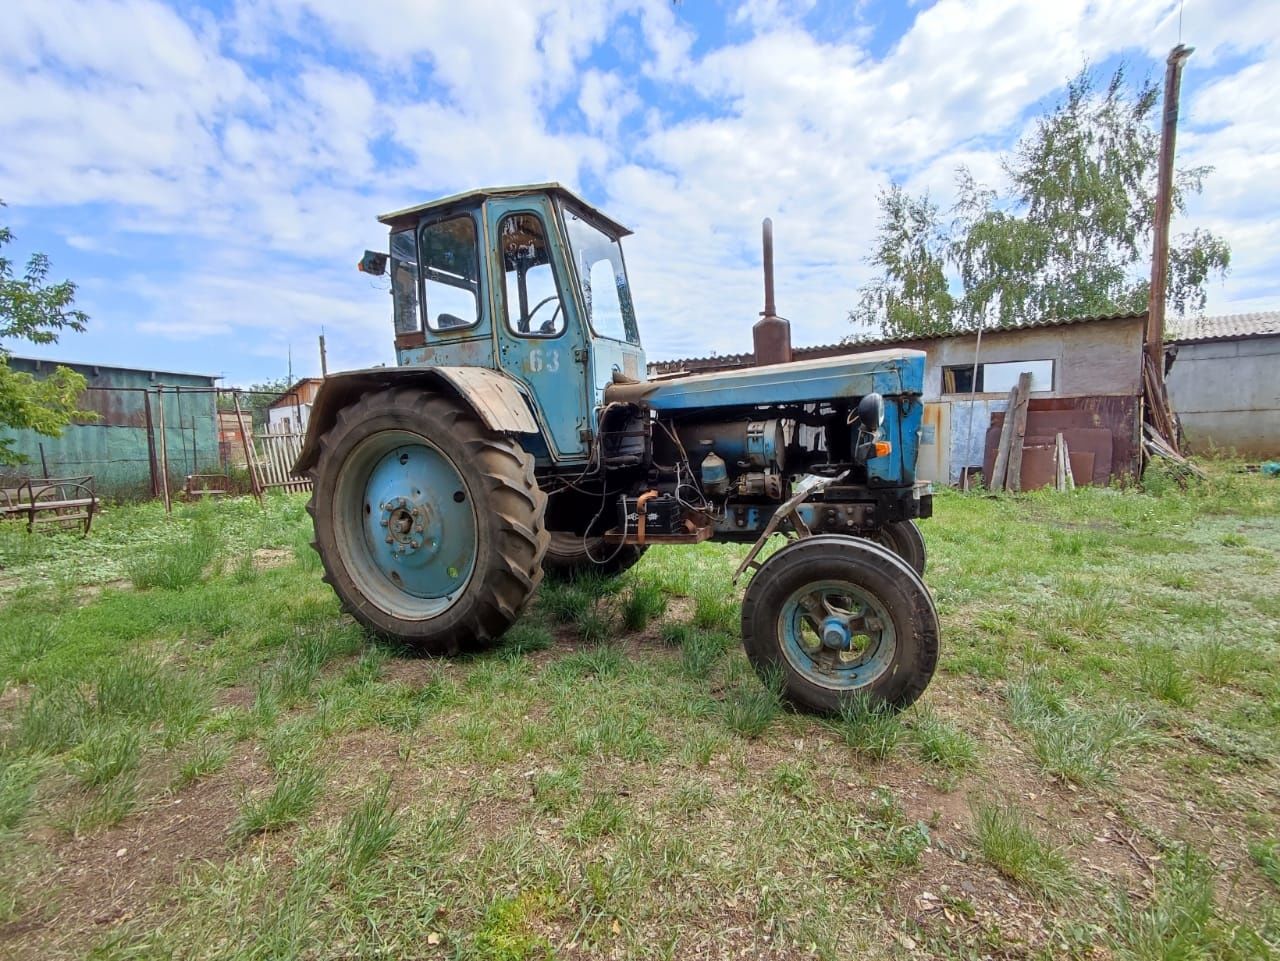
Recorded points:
210,173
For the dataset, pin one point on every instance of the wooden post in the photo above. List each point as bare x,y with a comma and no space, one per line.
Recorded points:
246,439
1013,482
164,454
1164,209
151,444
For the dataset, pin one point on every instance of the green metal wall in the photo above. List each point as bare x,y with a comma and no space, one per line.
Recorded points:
114,447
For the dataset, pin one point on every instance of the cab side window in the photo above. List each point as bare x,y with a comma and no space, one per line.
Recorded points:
450,273
531,298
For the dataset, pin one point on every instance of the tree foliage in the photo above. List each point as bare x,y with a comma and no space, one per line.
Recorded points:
1068,236
35,310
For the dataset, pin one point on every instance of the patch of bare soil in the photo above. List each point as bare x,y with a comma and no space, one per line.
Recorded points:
105,879
268,557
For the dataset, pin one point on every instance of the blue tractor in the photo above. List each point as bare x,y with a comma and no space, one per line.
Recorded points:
518,433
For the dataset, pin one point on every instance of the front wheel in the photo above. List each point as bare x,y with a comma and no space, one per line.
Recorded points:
429,525
838,618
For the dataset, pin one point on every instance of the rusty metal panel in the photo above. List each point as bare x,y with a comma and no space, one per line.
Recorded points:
934,460
494,395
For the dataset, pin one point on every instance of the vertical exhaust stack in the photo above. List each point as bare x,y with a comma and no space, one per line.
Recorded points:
771,333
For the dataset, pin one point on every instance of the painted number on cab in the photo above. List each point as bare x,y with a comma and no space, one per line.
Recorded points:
540,360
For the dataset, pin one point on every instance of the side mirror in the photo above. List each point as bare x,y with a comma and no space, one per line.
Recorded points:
871,412
373,262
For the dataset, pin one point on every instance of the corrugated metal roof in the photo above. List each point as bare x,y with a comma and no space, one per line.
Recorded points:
1260,323
93,364
876,342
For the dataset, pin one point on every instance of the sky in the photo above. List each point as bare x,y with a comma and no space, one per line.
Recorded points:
210,173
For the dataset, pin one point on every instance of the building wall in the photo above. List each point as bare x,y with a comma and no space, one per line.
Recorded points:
113,448
1227,394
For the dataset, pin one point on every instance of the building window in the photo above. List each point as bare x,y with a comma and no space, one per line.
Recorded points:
997,378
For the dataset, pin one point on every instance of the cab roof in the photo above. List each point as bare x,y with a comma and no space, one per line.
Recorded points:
410,215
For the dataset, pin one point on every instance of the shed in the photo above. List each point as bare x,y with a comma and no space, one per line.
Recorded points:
1086,383
1224,381
117,447
289,412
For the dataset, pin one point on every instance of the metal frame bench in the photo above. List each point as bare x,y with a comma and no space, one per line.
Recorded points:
199,486
52,500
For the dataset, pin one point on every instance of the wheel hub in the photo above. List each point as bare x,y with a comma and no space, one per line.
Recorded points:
410,526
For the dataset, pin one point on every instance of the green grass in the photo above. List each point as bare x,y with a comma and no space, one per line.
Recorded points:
1108,675
1017,852
292,799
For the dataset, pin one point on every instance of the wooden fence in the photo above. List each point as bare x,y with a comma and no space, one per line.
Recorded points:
276,454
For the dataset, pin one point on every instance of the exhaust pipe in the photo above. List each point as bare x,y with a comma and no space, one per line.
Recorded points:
771,334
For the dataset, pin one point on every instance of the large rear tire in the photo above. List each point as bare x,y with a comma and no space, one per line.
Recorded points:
569,556
839,618
905,540
429,525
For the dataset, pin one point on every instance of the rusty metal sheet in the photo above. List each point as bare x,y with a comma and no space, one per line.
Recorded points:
495,396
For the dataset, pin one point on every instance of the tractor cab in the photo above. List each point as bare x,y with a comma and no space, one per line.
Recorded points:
529,281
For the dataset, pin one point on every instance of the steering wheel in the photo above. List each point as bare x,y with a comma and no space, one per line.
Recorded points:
549,326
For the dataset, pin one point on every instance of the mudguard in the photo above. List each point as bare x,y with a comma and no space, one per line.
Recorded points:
496,398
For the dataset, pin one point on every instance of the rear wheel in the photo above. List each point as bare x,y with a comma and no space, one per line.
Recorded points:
429,525
570,555
839,617
905,540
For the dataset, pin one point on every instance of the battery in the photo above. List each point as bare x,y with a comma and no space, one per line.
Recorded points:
662,515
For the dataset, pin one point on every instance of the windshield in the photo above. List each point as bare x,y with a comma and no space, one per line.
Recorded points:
603,276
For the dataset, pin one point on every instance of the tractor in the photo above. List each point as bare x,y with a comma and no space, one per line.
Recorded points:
518,434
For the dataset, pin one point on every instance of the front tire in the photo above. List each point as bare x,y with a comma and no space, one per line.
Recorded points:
429,525
839,618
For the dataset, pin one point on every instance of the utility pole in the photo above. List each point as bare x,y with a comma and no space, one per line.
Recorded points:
1164,209
324,362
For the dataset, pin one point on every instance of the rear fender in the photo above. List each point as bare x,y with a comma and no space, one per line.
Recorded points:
496,398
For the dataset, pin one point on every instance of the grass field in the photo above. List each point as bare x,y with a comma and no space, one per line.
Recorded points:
200,757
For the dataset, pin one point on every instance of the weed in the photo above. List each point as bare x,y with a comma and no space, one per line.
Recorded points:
177,564
525,637
1220,663
1181,921
750,708
1008,842
675,633
791,777
99,808
701,652
1160,675
506,932
1071,743
1266,855
606,660
18,779
645,602
209,757
105,754
595,625
871,728
292,799
564,601
714,610
603,816
942,743
369,829
556,790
